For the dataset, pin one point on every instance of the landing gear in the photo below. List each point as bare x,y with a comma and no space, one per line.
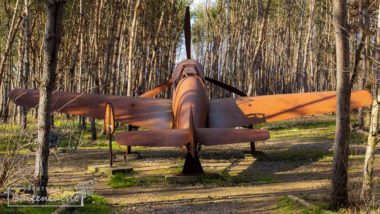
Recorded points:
253,145
192,165
253,148
129,148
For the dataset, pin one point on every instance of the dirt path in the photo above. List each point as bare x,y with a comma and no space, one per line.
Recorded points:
287,167
269,178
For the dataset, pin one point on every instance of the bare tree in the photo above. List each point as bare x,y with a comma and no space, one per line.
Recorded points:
25,74
15,23
131,45
53,34
339,195
366,193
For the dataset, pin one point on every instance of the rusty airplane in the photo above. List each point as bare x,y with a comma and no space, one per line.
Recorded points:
190,118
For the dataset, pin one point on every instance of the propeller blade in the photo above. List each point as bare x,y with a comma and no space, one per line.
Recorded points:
162,87
227,87
187,29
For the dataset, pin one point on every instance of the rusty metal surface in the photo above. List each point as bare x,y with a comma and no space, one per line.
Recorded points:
242,111
191,113
181,137
224,113
190,95
222,136
145,112
157,138
190,103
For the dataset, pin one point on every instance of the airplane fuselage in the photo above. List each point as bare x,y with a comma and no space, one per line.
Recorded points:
190,95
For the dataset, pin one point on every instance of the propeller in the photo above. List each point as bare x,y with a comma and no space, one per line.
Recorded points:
187,30
158,89
226,86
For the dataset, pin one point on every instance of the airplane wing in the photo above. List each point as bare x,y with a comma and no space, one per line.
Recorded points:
145,112
243,111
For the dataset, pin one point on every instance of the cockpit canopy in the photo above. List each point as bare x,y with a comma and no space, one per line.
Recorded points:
186,68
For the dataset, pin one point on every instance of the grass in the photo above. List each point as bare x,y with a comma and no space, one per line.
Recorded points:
69,132
302,129
226,179
121,180
208,178
26,210
93,204
288,206
316,128
293,155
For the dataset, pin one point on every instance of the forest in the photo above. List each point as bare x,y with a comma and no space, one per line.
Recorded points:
325,163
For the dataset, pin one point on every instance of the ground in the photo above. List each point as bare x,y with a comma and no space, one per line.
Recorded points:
295,161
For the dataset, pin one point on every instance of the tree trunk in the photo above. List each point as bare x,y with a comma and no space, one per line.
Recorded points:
53,33
131,45
10,39
255,57
25,73
81,120
339,195
362,82
366,193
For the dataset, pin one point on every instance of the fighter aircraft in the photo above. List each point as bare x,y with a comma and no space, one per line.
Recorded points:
190,118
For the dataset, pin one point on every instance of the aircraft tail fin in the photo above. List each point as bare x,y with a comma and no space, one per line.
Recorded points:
181,137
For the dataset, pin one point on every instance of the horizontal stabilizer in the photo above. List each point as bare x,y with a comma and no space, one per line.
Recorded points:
181,137
222,136
156,138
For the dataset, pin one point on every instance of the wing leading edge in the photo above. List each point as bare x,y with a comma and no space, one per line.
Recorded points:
243,111
145,112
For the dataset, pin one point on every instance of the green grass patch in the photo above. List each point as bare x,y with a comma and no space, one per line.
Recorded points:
316,128
209,178
356,138
225,179
308,123
93,204
121,180
288,206
26,210
215,178
293,155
